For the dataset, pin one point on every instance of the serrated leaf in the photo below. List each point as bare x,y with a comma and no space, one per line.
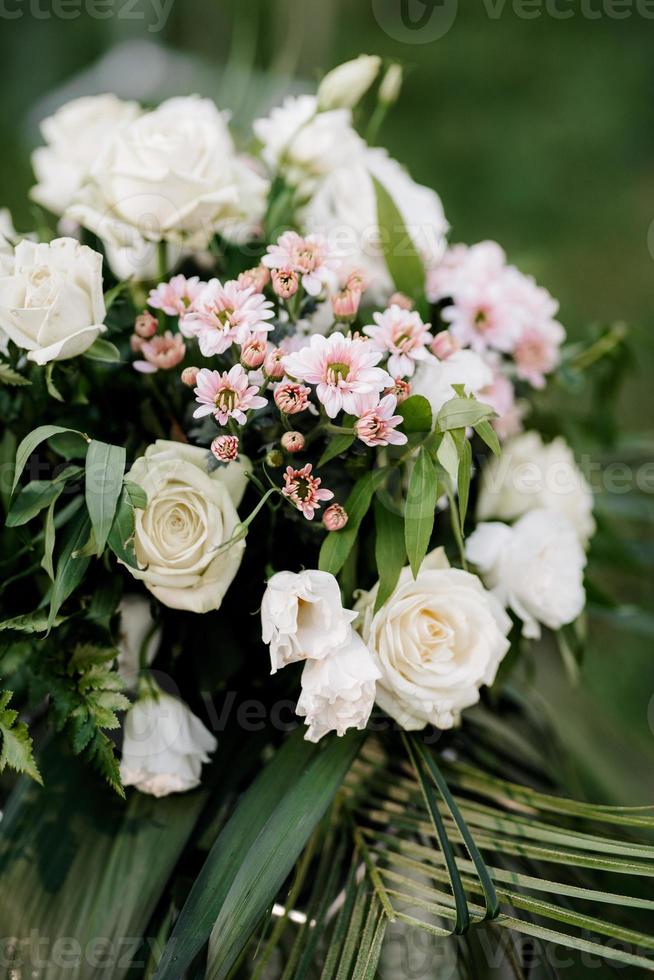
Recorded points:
417,414
103,350
105,468
29,444
420,508
404,264
390,551
8,376
459,413
337,545
16,751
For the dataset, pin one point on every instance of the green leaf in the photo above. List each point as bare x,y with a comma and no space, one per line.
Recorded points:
8,376
486,432
390,551
16,751
337,545
103,350
448,456
70,571
339,444
7,459
255,853
29,444
121,536
464,476
422,496
137,495
114,293
49,541
31,500
461,412
69,444
404,264
36,622
417,414
51,387
105,467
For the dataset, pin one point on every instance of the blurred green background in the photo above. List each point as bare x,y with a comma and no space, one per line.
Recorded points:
536,130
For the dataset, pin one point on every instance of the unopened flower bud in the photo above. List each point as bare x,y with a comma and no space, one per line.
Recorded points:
291,398
253,353
225,448
285,283
344,86
145,325
293,442
401,300
345,304
274,458
444,345
190,376
401,389
335,517
273,367
357,280
259,277
136,343
391,84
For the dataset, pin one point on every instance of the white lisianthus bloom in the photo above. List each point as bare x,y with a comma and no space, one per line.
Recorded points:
345,85
436,640
306,145
434,379
344,210
164,745
75,136
338,691
190,514
138,638
51,299
302,616
533,475
536,568
170,175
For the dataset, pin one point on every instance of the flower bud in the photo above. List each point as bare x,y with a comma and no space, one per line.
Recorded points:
145,325
293,442
357,280
258,277
444,345
190,376
335,517
345,304
273,367
291,398
401,389
391,84
274,458
225,448
136,343
399,299
253,353
346,84
285,283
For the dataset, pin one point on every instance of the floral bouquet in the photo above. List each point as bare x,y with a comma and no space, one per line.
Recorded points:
288,508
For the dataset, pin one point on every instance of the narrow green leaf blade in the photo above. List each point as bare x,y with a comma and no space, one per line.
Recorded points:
338,544
390,551
29,444
422,496
460,412
70,571
105,468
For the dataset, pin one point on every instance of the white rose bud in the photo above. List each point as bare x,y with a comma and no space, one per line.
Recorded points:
391,85
75,136
536,568
533,475
164,745
302,616
338,692
436,640
51,300
190,515
345,85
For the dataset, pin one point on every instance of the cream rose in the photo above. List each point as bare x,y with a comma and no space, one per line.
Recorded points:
345,85
75,136
190,515
436,640
533,475
51,300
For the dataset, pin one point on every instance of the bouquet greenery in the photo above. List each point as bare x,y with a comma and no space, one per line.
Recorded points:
289,508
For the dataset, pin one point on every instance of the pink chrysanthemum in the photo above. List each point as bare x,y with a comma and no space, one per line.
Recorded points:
537,352
344,371
225,314
161,353
335,517
176,296
291,398
310,256
225,448
378,426
403,335
257,278
304,490
226,395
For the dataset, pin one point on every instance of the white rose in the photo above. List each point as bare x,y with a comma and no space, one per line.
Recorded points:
436,640
434,379
305,144
171,174
344,209
51,301
75,136
345,85
190,515
302,616
138,639
338,692
536,568
533,475
164,745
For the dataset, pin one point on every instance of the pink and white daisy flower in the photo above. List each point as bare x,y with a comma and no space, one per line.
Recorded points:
344,371
226,395
160,353
378,427
304,491
311,256
225,314
175,297
402,334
